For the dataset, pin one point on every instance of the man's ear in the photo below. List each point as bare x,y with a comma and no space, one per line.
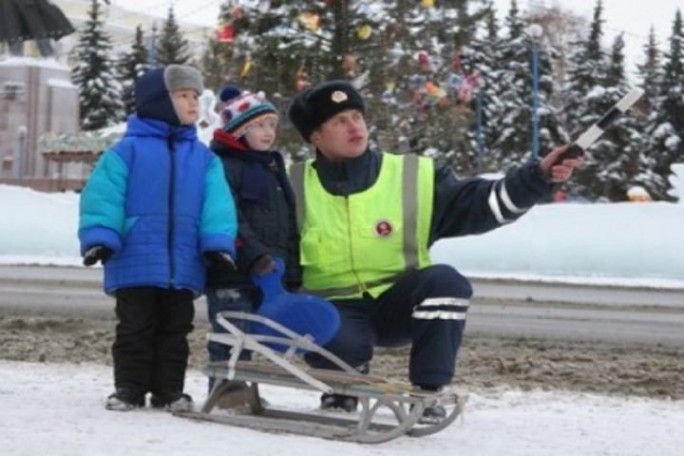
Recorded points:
314,138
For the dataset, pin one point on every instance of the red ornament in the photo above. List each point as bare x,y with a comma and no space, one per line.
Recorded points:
237,13
225,34
456,62
424,62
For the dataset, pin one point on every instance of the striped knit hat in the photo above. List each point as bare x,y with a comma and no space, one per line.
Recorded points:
240,109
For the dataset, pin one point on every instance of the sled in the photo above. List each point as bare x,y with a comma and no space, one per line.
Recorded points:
388,409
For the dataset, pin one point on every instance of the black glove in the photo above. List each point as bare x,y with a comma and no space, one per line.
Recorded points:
97,253
221,260
264,265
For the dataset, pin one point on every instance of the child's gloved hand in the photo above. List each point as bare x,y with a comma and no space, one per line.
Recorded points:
97,253
221,260
264,265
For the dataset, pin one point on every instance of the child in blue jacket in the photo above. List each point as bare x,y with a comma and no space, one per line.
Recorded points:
155,209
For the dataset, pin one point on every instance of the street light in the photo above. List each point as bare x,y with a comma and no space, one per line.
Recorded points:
534,31
152,47
20,155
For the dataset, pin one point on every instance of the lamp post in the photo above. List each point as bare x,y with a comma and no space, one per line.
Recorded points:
152,47
478,131
20,156
534,31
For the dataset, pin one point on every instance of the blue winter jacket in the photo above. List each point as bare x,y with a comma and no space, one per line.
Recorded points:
159,199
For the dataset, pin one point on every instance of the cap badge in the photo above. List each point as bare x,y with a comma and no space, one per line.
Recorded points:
338,96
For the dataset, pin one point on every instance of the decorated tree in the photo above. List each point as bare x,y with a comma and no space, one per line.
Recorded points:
428,82
401,54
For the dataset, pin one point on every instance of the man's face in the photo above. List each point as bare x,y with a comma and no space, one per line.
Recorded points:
186,103
345,135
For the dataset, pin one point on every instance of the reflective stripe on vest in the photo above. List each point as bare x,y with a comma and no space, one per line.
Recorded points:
371,237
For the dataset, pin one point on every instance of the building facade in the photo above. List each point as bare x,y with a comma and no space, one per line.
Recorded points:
36,97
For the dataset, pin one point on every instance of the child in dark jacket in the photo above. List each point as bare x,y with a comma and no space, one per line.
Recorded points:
154,210
267,226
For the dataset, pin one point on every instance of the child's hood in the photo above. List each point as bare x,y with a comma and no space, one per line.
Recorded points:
153,91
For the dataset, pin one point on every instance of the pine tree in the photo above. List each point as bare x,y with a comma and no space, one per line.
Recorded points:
131,66
587,68
650,72
667,124
212,69
618,152
99,91
585,100
172,47
484,59
650,75
513,113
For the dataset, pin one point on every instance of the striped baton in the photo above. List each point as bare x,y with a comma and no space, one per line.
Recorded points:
588,138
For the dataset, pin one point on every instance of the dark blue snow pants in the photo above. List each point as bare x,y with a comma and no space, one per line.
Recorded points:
424,308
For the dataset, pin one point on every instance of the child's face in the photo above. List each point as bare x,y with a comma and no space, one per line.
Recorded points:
186,102
261,134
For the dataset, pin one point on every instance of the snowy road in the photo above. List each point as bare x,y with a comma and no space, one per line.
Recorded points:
511,308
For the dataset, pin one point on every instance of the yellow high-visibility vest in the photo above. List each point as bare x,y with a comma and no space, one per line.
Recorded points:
363,242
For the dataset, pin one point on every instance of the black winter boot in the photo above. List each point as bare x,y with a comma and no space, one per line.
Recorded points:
123,400
433,414
179,402
339,402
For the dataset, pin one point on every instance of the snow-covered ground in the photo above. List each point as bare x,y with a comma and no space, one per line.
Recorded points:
58,409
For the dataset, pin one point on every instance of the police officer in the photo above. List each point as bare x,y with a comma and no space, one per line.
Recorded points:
367,220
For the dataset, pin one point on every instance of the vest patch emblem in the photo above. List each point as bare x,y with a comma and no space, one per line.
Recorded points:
384,228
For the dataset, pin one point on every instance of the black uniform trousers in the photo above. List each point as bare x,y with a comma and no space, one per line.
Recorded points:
425,308
151,350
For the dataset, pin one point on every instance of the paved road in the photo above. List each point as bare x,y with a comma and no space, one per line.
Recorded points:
511,308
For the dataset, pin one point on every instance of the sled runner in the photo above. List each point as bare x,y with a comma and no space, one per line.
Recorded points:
388,409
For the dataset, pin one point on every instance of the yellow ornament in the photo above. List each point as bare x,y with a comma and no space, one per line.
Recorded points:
428,3
246,68
311,21
364,31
